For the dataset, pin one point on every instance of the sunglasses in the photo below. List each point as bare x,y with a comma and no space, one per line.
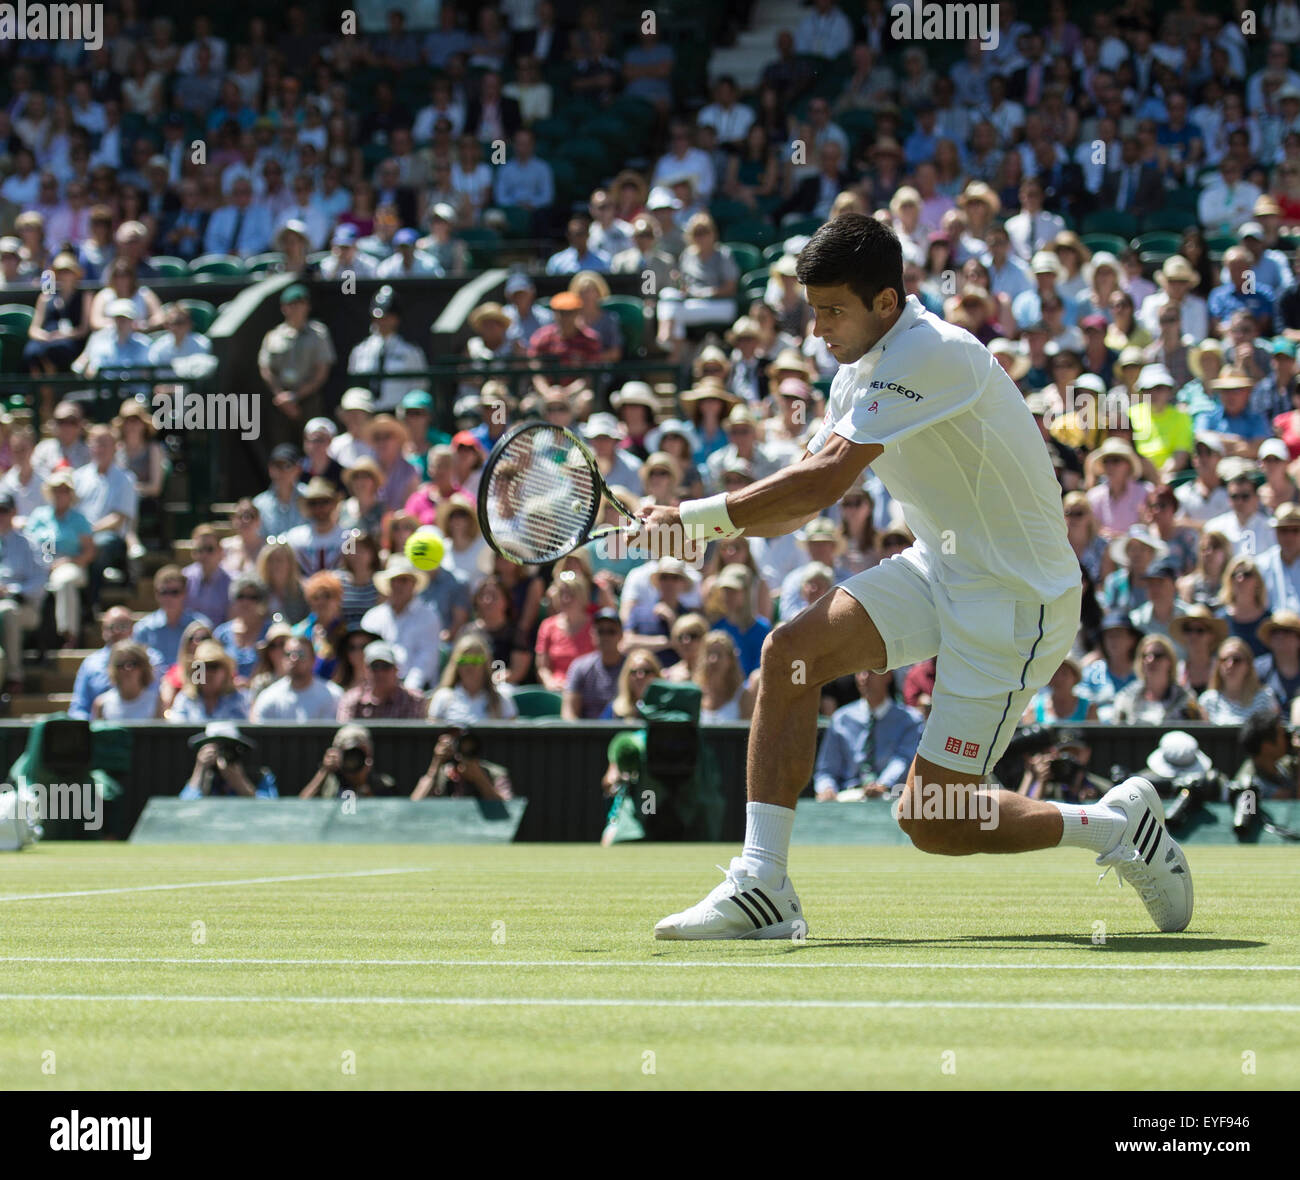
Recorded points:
127,665
1076,513
171,592
1196,630
1152,656
1236,497
1225,660
248,597
472,659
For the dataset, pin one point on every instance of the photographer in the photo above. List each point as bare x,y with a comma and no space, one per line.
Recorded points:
457,770
1059,770
348,765
219,768
1270,766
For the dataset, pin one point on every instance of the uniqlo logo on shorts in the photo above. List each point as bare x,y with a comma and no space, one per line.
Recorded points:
970,749
952,745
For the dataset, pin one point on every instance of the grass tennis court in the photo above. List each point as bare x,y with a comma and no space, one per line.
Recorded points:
984,967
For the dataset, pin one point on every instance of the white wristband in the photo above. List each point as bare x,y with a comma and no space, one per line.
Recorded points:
707,519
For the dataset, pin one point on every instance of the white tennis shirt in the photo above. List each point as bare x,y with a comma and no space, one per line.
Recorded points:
963,456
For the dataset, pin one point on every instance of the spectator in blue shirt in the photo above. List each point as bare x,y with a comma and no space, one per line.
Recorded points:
65,541
1233,419
162,629
22,589
209,692
526,182
180,339
735,586
92,677
870,743
1243,290
242,227
281,505
576,256
116,347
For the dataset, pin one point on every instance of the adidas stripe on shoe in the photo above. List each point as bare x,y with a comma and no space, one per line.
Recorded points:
743,906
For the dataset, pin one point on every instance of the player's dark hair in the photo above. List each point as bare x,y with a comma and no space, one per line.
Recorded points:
857,252
1257,729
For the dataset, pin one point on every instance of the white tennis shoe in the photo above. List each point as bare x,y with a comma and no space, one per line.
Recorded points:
1148,857
743,906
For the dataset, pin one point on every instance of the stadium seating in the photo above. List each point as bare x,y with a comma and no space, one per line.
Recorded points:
202,313
169,268
631,319
537,702
217,264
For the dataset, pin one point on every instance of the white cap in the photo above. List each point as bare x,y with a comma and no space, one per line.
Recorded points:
121,307
1274,448
316,425
1252,229
1154,375
603,426
661,198
358,398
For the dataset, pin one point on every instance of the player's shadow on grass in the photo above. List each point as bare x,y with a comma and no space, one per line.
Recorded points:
1132,943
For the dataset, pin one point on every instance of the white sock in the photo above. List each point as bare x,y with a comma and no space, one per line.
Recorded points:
1094,826
767,840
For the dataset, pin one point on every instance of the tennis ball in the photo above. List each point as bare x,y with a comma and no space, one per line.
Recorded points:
424,549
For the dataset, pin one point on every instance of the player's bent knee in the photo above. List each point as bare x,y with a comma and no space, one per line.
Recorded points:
942,837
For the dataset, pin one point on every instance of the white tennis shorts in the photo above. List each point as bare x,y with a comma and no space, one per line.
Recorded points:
994,652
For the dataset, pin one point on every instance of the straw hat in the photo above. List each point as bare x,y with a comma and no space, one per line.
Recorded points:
1282,620
821,528
635,393
709,387
58,479
137,410
1199,613
487,311
978,191
319,488
661,461
1069,240
671,566
790,360
1176,267
364,466
1117,446
399,566
745,326
1194,355
456,502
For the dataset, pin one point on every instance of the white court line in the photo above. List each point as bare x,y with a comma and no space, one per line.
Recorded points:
573,1002
779,964
210,884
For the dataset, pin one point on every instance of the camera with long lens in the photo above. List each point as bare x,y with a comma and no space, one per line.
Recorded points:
1190,791
352,760
228,751
466,745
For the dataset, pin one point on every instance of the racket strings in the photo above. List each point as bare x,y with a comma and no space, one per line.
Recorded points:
540,496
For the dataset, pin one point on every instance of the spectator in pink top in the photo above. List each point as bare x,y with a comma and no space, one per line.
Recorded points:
1117,503
438,488
566,633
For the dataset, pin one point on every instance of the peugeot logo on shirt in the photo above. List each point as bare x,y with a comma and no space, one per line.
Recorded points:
894,387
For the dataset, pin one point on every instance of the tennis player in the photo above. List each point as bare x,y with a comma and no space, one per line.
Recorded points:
991,587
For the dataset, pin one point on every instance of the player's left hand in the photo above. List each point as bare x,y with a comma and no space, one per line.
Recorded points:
662,534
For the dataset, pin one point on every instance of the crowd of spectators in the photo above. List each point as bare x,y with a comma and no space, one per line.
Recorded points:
1166,392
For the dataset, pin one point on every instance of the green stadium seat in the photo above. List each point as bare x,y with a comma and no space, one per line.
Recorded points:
12,342
755,232
259,264
631,319
169,267
16,315
747,257
1159,241
773,252
754,282
217,265
802,225
537,702
1109,242
202,313
1218,243
1172,219
1111,221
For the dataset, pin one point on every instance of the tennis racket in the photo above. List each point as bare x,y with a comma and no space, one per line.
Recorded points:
540,494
